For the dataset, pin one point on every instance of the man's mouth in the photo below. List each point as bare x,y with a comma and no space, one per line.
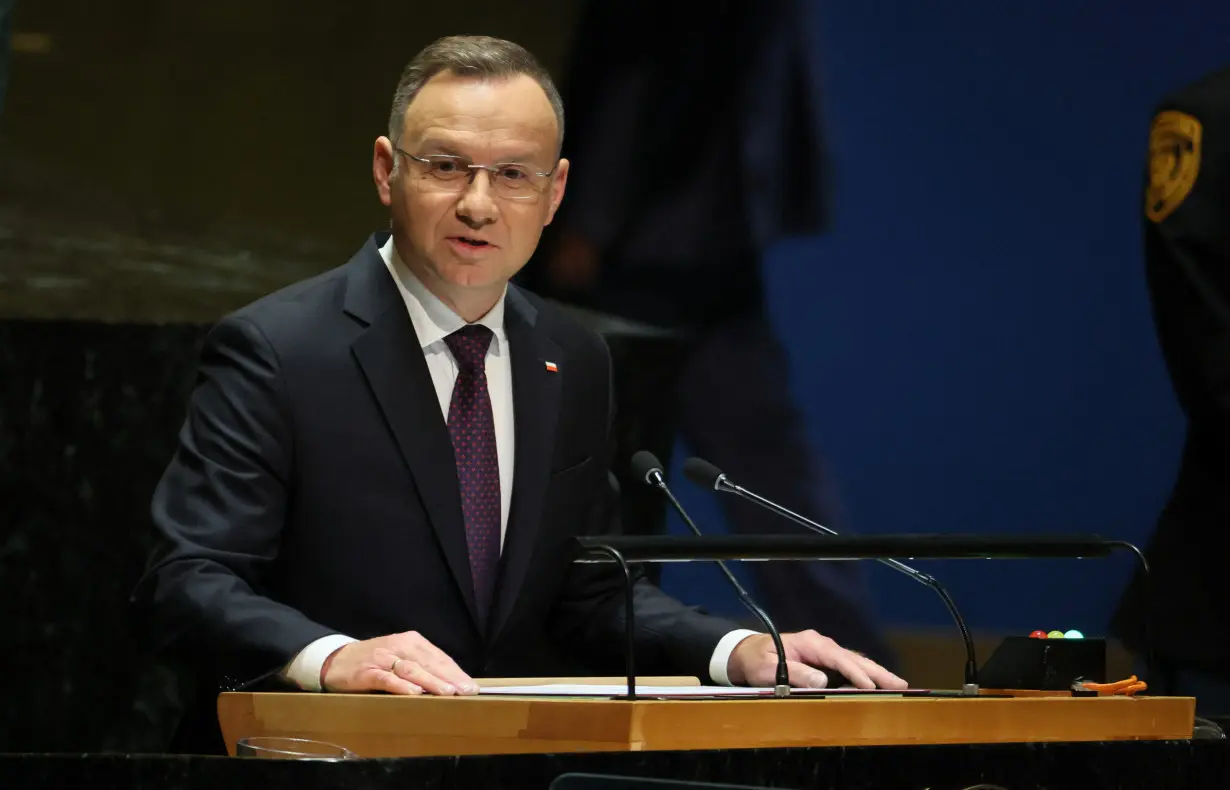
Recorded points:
471,242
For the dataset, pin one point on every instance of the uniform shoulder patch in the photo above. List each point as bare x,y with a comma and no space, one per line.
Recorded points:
1174,161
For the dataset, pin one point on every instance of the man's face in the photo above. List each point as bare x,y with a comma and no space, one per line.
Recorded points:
469,235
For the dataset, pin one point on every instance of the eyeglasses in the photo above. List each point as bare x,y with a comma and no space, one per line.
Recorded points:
510,181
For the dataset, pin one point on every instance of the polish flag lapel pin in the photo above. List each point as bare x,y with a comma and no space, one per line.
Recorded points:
551,367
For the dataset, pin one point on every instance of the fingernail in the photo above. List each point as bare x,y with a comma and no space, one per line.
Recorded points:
470,688
449,689
817,680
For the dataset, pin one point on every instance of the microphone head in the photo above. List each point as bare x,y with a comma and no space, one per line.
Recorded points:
702,473
644,464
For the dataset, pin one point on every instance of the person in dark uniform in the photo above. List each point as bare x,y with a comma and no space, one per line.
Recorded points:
1187,259
698,144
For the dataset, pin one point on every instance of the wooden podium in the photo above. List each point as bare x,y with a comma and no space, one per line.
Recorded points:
379,725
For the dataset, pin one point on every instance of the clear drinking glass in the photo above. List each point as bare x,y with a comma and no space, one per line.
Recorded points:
275,748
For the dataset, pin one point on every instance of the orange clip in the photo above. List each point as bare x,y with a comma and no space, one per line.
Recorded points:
1123,688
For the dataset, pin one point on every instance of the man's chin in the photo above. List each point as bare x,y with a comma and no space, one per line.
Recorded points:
482,274
474,279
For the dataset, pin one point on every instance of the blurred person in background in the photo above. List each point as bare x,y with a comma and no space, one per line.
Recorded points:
1187,265
697,142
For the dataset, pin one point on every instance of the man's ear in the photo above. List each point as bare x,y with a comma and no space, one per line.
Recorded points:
557,189
384,162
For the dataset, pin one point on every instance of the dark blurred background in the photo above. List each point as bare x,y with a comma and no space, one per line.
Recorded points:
971,340
168,160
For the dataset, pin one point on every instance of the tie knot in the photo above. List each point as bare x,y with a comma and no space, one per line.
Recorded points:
469,346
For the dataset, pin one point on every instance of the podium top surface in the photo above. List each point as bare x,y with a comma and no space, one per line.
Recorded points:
379,725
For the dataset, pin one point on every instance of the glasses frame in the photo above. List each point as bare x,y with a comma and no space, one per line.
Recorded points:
474,167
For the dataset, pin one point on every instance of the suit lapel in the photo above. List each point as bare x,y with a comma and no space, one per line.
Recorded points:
536,403
390,356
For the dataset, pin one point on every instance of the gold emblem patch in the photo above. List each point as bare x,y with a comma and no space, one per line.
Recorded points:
1174,161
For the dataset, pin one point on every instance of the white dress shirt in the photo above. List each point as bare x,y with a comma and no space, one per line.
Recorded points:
433,321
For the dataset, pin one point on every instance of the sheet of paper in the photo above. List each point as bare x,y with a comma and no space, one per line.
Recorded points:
579,690
575,690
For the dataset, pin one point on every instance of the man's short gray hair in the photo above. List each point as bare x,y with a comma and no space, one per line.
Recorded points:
470,56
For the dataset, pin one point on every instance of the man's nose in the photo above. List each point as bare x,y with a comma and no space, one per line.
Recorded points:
477,206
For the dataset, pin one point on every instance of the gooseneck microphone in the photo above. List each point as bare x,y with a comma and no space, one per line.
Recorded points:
648,469
706,475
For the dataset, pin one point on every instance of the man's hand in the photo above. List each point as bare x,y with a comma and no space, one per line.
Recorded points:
753,662
399,664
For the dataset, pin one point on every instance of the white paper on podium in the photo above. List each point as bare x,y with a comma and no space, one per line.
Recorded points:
583,690
614,690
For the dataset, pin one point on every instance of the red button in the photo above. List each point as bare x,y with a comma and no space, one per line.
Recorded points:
1038,635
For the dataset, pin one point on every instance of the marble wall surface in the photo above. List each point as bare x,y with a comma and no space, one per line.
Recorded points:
168,161
88,415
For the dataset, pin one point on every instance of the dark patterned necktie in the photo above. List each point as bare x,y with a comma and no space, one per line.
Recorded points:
472,427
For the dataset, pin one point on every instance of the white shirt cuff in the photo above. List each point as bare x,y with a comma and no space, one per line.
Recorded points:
721,655
304,670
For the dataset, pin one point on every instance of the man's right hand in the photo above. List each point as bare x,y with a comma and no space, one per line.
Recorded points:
399,664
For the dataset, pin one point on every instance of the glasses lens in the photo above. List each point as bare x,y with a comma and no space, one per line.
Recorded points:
447,169
453,174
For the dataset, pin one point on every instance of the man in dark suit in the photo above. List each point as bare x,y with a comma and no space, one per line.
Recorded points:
1187,259
383,469
698,146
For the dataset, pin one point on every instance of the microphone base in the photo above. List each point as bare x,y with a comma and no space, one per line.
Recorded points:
969,690
781,691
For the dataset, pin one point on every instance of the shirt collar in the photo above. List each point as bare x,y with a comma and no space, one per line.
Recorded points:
434,320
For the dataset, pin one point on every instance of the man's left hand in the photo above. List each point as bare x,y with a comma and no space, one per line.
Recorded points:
753,662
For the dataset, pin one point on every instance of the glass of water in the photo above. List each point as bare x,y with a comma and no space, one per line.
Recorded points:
275,748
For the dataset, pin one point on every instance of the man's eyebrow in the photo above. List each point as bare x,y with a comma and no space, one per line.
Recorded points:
438,146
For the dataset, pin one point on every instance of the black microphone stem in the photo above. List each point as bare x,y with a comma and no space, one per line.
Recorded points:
782,683
926,579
